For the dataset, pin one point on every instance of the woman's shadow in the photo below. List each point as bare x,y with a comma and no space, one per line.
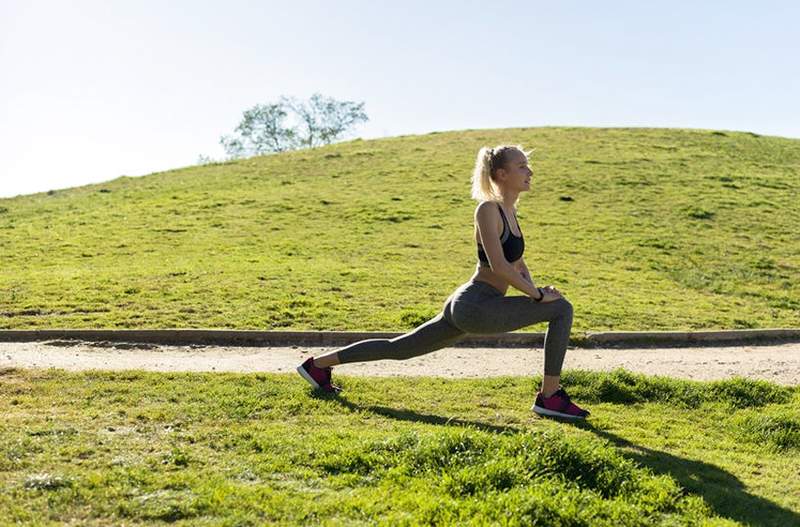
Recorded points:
722,491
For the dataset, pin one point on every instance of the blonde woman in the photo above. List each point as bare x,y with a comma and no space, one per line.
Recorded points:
480,306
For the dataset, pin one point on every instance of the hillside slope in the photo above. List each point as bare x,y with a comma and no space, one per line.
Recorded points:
655,229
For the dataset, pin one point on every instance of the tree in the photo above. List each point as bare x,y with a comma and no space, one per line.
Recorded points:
320,121
323,119
260,131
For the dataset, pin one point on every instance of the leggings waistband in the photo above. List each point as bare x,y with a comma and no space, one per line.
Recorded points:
485,286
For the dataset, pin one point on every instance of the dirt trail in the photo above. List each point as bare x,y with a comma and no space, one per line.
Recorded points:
778,363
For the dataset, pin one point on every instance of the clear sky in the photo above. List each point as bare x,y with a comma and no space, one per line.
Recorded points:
91,90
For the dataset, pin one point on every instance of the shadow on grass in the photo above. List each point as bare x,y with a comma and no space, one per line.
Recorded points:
721,490
409,415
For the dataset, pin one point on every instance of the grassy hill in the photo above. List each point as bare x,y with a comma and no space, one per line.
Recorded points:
640,228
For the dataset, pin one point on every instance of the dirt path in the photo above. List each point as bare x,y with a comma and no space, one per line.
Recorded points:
777,363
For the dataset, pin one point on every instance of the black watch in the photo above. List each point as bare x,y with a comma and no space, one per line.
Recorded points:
541,295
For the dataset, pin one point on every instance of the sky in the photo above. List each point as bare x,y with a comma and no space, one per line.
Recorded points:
92,90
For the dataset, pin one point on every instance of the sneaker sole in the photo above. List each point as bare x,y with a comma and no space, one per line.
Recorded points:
304,374
552,413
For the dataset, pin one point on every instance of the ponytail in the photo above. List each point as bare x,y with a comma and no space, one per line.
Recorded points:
483,186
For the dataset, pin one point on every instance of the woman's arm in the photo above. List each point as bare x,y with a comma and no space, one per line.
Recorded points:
520,266
523,270
486,216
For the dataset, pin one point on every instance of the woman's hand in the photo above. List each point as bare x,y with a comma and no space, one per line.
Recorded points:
550,293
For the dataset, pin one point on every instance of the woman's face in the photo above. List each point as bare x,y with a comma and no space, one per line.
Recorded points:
518,173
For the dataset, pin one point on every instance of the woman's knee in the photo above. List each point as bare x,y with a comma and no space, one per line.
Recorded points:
447,312
398,351
565,307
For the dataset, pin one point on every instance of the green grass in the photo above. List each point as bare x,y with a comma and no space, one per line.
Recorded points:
135,448
642,229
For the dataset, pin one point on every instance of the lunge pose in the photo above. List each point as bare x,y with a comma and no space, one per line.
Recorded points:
480,305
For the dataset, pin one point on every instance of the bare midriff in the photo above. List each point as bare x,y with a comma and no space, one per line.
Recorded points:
484,273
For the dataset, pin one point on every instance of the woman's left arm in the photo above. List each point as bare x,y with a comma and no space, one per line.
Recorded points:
523,270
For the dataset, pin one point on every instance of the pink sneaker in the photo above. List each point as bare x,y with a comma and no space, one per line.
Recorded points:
319,378
558,405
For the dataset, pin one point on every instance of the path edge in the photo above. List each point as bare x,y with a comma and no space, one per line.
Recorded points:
342,338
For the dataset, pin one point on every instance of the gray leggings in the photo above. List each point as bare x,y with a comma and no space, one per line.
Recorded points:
475,307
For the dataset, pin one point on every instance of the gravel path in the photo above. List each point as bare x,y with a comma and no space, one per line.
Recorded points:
779,363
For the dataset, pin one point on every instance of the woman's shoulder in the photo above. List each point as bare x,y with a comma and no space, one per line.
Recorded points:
489,207
486,203
493,205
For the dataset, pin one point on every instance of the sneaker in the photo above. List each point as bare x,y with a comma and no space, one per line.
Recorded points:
319,378
558,405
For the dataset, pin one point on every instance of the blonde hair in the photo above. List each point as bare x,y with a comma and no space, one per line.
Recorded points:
488,161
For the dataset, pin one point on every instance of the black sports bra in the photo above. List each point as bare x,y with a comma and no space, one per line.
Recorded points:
513,246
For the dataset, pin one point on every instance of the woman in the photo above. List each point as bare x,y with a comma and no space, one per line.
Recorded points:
480,305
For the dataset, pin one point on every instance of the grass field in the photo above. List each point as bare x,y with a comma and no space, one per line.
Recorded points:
134,448
642,229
